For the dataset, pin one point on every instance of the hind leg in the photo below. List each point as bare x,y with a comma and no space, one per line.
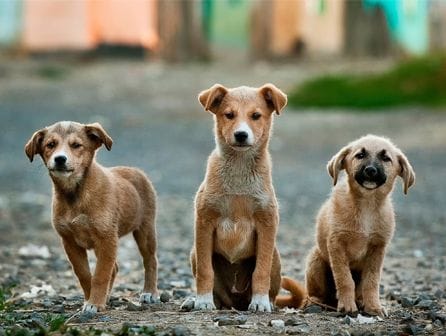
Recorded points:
145,238
316,278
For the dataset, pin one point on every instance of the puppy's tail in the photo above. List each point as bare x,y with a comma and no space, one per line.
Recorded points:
297,296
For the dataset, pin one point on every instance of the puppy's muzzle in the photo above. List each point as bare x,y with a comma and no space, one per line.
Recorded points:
371,176
60,165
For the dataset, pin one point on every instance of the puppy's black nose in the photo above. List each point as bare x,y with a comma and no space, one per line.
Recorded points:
370,171
241,136
60,160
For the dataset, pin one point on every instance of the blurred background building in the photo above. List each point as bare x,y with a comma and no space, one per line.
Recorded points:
201,29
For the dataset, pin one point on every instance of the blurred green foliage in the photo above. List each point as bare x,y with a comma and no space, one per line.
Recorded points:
419,81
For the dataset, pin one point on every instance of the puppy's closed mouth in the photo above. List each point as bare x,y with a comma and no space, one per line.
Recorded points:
61,170
241,147
369,185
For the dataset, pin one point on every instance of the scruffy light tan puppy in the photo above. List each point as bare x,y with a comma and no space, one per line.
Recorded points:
234,258
93,206
355,225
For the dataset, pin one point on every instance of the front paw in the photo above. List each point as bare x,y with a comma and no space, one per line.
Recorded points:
204,302
347,305
92,309
375,310
148,298
260,303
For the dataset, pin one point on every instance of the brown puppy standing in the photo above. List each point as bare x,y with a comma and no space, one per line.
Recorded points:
355,225
234,258
93,206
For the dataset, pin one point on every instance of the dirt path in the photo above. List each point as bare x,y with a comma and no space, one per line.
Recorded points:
152,114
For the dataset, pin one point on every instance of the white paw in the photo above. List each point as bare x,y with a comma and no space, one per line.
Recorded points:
204,302
148,298
89,308
260,303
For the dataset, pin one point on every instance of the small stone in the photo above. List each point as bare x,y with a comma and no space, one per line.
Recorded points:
165,297
393,295
304,328
438,323
406,302
180,331
229,320
425,304
437,316
188,304
418,253
429,327
81,317
313,309
292,321
104,318
347,320
58,309
342,333
411,329
439,293
133,307
277,324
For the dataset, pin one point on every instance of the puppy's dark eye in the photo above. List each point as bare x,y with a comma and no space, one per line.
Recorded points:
229,115
51,145
385,158
256,116
360,155
75,145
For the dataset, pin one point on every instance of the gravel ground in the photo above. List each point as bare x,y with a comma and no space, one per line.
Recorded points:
151,111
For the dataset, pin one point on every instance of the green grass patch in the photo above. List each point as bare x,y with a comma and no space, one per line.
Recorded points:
52,72
419,81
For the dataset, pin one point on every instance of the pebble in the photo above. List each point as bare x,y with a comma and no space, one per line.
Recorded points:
225,320
180,331
411,329
165,297
438,323
341,333
425,304
313,309
81,317
439,294
277,324
133,307
303,328
292,321
429,327
188,304
406,302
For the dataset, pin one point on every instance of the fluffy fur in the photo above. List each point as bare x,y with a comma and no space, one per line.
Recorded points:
234,258
93,206
355,226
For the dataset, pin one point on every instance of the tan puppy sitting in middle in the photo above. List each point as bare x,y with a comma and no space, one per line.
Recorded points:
234,258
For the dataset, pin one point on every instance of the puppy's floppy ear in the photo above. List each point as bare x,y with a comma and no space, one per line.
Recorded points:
212,98
336,164
34,145
407,173
98,135
274,97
